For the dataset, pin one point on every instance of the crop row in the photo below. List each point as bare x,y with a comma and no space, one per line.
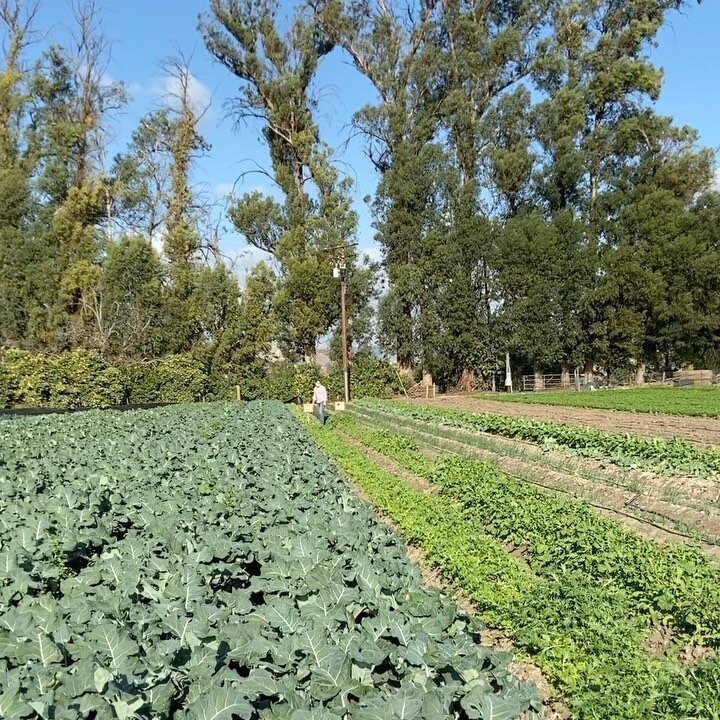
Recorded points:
658,454
587,596
208,562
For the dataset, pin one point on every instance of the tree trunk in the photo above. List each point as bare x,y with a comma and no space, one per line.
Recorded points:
589,371
404,352
565,377
468,380
640,373
539,383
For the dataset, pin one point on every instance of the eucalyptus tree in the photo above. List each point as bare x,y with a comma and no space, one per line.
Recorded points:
313,224
394,46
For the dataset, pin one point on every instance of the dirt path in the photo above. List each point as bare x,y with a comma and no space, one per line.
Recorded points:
615,502
704,431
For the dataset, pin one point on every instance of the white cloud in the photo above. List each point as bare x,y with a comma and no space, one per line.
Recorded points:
374,252
198,93
256,189
167,88
224,189
244,260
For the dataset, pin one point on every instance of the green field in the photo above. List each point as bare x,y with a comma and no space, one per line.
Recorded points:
673,401
579,594
208,562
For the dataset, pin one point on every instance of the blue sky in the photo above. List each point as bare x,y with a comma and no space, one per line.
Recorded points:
144,32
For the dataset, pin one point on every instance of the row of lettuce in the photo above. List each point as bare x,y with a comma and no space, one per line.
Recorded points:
624,629
668,456
85,379
209,563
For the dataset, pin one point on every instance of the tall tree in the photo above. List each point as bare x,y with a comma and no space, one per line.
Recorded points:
182,237
16,254
304,231
72,105
393,46
16,21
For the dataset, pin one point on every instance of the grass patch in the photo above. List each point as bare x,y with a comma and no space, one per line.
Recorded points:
702,402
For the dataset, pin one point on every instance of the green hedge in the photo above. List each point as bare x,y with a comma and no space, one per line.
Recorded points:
370,377
84,379
79,378
174,378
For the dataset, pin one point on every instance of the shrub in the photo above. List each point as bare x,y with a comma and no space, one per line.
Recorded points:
175,378
370,377
83,379
181,378
6,387
76,379
27,378
141,383
286,381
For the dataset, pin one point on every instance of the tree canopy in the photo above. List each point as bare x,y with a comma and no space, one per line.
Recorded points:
530,198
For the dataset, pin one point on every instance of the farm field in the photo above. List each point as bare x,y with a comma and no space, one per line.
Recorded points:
209,562
700,430
659,503
702,402
624,628
674,456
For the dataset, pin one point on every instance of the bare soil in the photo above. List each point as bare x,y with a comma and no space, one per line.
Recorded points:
614,500
662,640
693,489
390,465
700,430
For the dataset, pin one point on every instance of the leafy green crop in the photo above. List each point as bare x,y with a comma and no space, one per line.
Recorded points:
673,401
594,593
658,454
207,562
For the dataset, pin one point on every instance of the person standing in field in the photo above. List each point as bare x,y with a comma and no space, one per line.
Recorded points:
320,400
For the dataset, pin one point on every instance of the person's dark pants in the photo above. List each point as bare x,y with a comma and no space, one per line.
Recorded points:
321,412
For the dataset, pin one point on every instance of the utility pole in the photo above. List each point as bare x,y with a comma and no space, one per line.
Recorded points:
340,272
343,320
508,373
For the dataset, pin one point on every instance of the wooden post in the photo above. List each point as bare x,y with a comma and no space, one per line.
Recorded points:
434,389
237,393
400,380
427,392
